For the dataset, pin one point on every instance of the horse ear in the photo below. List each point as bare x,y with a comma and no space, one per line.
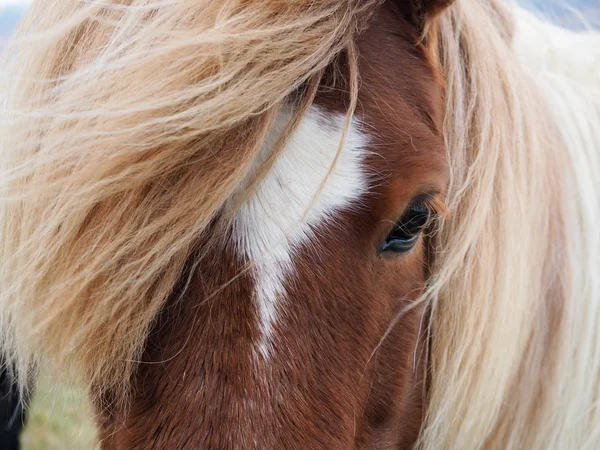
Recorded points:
419,11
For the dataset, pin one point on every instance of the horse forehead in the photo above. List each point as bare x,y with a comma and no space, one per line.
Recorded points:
311,179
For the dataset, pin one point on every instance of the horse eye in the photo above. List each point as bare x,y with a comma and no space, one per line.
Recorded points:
406,232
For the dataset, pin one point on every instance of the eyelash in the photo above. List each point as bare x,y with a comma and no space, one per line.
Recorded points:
407,231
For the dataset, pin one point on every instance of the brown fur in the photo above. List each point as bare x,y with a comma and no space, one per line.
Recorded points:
200,385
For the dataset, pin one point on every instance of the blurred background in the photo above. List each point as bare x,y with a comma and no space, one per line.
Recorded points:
11,12
62,419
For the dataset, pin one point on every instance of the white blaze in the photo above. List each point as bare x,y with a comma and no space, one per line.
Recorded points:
275,221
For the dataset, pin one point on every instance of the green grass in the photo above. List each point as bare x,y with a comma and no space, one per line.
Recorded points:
60,419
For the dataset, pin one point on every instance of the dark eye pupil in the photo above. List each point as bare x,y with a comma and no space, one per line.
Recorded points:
406,233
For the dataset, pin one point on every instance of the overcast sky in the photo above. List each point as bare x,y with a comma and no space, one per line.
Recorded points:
13,2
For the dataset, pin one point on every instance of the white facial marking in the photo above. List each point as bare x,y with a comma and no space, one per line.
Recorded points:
276,220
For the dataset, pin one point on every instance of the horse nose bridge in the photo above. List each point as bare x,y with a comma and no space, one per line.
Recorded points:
278,403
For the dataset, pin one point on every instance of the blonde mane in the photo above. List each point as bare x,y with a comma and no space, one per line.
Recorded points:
125,132
126,126
516,292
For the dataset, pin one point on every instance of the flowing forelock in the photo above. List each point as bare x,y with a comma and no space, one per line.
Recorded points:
127,126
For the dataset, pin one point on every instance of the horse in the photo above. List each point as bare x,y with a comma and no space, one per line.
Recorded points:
306,225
